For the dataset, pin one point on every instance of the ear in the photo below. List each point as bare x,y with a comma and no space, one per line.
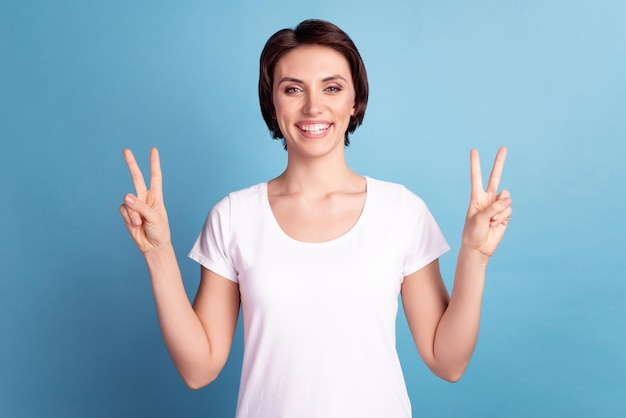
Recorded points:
353,111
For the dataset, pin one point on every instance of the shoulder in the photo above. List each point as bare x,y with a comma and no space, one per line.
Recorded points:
394,194
233,211
241,197
236,205
252,192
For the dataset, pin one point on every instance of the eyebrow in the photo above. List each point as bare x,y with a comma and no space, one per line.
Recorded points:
296,80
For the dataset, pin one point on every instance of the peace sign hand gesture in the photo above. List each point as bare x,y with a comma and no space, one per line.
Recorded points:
144,214
489,211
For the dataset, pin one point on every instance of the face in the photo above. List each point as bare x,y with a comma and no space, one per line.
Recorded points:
313,98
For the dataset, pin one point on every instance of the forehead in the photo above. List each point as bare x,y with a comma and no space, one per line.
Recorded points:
312,61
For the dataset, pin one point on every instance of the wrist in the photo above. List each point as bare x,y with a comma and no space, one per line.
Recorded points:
471,255
159,254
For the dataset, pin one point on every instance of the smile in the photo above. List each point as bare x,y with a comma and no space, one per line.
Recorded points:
314,129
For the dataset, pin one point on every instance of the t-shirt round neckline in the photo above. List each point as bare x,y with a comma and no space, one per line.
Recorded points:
276,226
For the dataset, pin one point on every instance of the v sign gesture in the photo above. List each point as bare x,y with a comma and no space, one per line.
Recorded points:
447,329
144,214
489,211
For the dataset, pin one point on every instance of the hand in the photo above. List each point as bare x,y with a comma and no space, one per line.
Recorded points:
489,212
144,214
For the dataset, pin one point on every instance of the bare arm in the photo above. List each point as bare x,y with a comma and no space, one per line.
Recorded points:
197,337
445,329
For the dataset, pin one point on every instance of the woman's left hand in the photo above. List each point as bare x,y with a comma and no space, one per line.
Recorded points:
489,211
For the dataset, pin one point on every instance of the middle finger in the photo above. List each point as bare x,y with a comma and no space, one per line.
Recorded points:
135,172
496,171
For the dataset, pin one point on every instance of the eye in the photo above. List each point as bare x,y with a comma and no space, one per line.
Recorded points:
293,90
333,89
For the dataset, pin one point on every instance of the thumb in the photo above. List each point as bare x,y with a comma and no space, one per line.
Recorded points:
501,204
138,210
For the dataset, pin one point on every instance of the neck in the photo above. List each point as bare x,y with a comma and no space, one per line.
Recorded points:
317,176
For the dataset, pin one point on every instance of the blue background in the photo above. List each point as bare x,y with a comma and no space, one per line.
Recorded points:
81,80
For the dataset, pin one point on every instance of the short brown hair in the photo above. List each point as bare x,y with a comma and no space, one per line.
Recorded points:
311,32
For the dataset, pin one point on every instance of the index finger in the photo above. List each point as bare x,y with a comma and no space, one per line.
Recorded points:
475,173
135,172
156,177
496,171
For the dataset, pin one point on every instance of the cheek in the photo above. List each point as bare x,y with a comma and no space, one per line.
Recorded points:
280,107
281,117
351,104
350,107
279,114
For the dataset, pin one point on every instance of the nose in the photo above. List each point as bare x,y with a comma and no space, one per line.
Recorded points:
313,103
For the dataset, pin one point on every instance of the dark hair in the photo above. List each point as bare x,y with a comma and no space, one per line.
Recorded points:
311,32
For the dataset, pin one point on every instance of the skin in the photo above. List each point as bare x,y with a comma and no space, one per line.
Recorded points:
199,336
317,198
445,329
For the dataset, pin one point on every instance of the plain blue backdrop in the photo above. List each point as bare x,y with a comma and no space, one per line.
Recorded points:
81,80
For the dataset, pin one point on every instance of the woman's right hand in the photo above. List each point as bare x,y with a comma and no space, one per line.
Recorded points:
144,213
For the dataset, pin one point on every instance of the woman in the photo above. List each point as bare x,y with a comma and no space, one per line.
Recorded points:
318,256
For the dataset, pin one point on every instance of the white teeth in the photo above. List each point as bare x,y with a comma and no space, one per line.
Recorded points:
315,129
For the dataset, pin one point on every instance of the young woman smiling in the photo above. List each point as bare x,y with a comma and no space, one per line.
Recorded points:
318,269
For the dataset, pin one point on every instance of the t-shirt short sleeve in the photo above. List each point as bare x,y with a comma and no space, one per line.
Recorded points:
427,242
211,248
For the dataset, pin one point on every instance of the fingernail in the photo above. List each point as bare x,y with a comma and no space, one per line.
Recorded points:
129,200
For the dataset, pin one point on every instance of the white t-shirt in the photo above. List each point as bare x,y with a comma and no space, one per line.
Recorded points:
319,318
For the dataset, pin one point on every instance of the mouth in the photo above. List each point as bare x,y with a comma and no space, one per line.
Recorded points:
314,128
